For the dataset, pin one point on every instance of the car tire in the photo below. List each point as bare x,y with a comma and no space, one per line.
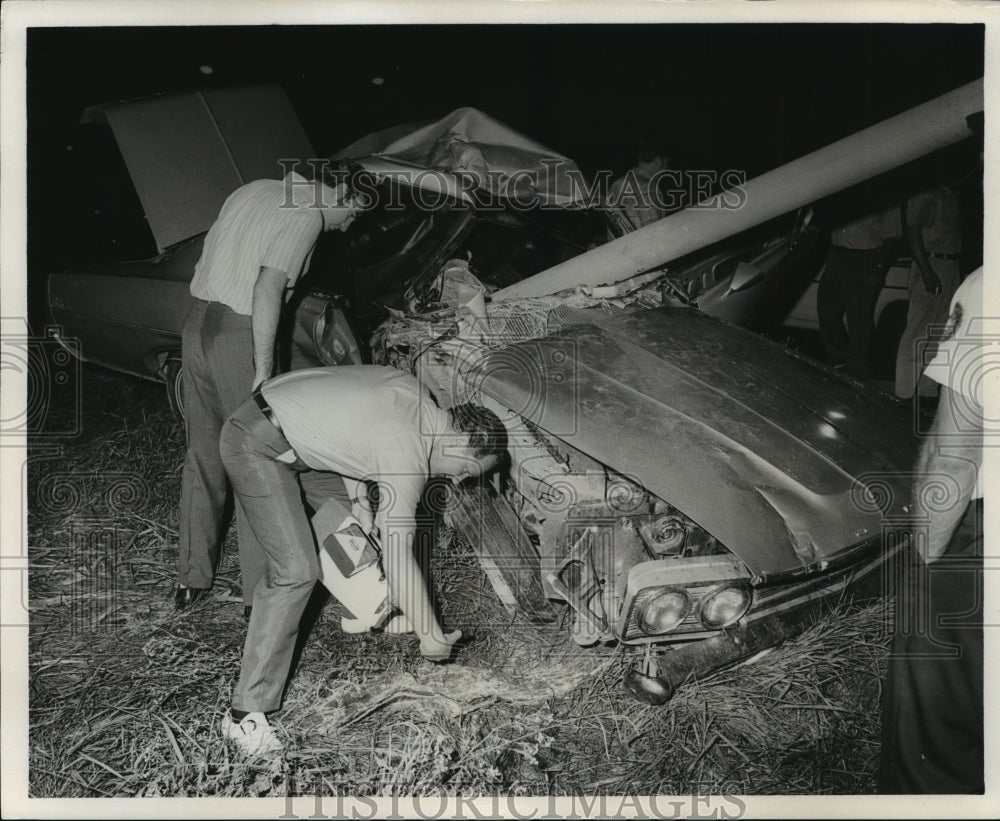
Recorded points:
173,375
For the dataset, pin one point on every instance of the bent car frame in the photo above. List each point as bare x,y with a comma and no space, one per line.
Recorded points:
676,482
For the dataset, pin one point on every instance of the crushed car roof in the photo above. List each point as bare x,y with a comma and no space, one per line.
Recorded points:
467,141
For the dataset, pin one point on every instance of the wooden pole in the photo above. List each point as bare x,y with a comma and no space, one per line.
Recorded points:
886,145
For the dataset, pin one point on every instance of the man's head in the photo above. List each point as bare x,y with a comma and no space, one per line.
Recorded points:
343,196
484,448
341,206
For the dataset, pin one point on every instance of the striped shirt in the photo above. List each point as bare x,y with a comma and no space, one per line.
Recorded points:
256,228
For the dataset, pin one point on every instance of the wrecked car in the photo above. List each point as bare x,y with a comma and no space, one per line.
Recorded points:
676,482
678,477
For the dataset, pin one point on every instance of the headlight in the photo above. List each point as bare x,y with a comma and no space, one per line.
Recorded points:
664,612
725,606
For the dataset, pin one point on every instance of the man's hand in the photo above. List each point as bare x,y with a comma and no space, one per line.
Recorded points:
267,298
932,284
362,511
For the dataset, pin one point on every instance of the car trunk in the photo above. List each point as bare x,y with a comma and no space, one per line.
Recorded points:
186,152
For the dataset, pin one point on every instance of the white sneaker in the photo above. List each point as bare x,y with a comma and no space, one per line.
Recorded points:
253,735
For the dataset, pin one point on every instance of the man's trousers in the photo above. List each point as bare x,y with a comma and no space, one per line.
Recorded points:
932,720
271,497
217,354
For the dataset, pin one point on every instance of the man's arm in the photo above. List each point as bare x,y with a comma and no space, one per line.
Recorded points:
361,508
268,292
947,469
279,268
402,571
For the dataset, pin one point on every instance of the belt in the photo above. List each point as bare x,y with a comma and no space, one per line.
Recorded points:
949,257
265,409
268,414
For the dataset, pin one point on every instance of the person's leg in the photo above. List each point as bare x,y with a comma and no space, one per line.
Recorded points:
855,301
320,485
203,478
932,721
859,306
830,303
230,357
921,313
271,498
947,272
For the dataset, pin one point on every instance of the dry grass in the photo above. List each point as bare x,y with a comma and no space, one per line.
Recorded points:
125,694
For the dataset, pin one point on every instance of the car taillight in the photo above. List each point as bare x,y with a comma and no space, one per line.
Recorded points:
725,605
664,611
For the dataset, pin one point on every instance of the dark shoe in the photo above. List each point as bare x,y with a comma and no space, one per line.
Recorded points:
246,613
186,596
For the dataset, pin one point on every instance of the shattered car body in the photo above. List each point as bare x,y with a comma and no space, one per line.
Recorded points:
679,478
675,480
684,482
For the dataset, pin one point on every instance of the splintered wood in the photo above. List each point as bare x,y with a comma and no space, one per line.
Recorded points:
451,689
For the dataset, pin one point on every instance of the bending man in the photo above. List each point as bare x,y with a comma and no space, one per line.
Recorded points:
368,424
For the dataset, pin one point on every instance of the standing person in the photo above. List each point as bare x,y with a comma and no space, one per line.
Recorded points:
369,424
258,246
931,228
852,278
932,719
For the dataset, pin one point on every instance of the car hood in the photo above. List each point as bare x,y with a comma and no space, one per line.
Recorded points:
784,461
187,151
467,141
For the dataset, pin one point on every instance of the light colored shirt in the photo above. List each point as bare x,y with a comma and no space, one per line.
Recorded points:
964,350
366,422
861,234
258,226
965,356
936,212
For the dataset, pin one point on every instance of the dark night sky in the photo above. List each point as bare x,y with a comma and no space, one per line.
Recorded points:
712,96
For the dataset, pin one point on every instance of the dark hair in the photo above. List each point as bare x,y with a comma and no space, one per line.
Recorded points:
487,434
355,179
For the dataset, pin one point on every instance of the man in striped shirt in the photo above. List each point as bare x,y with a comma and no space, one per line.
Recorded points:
260,244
